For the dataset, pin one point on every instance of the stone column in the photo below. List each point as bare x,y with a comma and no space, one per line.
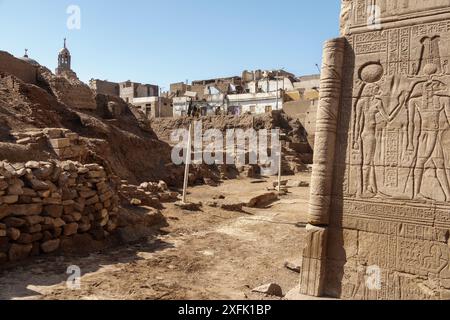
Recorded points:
326,127
314,254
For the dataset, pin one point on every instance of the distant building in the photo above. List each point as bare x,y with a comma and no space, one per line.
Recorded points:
181,106
20,68
65,63
129,90
255,92
255,103
105,87
302,102
311,82
27,59
144,96
155,107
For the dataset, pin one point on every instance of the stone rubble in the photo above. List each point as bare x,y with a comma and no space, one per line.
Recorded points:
149,194
44,203
65,143
271,289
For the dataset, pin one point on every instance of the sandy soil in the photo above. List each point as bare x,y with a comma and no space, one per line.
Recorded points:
213,254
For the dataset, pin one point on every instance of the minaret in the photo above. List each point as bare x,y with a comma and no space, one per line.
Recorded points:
64,60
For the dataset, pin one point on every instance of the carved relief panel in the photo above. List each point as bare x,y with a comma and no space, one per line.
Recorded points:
391,187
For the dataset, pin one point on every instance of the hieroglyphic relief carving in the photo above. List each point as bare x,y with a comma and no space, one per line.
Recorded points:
390,200
430,102
370,117
425,99
395,8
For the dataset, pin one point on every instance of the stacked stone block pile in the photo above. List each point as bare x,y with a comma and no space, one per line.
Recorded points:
43,203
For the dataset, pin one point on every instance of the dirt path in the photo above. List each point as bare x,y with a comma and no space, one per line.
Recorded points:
213,254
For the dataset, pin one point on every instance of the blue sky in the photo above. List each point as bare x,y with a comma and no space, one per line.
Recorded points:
165,41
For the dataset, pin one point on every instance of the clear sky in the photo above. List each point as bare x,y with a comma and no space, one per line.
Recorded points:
165,41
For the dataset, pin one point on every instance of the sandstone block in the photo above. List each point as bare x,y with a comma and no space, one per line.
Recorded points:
52,201
70,229
53,133
13,233
60,143
57,232
19,252
271,289
58,223
32,165
14,222
92,200
96,174
72,136
3,258
24,141
25,209
29,192
10,199
39,185
87,194
37,236
68,218
83,170
4,211
44,194
25,238
3,184
32,229
54,211
50,246
76,216
84,227
15,188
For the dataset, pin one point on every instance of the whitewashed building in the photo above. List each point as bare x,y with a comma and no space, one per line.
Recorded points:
181,106
255,103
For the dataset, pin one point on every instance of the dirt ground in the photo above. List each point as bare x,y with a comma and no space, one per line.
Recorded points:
212,254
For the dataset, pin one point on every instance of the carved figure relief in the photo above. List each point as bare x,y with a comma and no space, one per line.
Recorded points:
430,103
408,146
384,124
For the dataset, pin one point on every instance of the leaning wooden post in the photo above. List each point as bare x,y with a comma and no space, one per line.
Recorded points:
280,160
187,164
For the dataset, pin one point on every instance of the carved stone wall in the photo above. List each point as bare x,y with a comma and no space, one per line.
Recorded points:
388,225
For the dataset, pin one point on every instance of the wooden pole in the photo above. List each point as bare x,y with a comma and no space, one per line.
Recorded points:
279,170
187,164
280,160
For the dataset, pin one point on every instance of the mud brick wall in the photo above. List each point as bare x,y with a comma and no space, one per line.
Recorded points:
21,69
44,203
73,93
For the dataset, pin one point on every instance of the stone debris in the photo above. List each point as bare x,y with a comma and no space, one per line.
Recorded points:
271,289
297,184
292,266
151,194
283,183
263,200
135,202
233,206
65,143
189,206
51,202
